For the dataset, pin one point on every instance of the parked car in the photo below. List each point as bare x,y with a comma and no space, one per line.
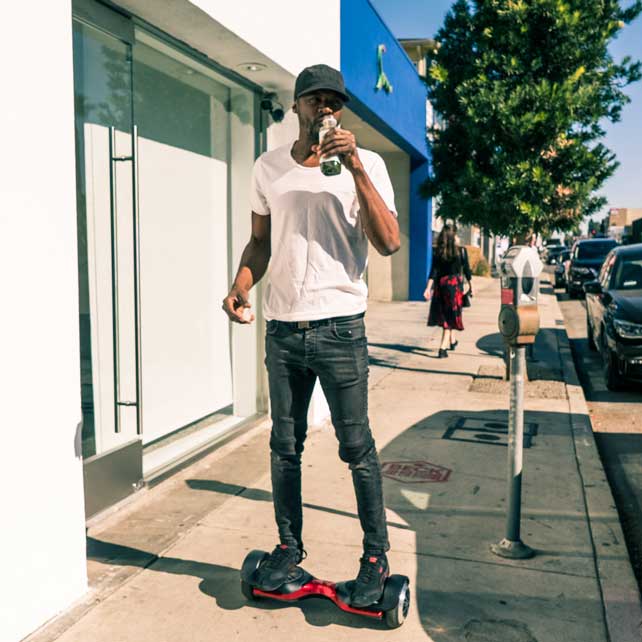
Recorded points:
614,314
587,257
549,247
560,268
552,253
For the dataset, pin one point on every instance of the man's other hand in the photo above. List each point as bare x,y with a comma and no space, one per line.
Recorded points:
237,306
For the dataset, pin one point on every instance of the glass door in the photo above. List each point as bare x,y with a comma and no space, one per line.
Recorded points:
183,116
164,148
106,166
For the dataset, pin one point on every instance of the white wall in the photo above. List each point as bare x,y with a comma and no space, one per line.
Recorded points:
42,534
293,33
388,275
284,36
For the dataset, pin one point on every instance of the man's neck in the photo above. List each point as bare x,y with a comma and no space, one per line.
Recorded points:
302,151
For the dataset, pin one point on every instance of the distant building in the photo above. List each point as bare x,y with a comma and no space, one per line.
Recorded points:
620,222
417,50
624,216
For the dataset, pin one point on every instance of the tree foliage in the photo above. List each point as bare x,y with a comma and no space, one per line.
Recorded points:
522,88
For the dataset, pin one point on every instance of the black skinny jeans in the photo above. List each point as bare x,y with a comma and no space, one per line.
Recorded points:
336,353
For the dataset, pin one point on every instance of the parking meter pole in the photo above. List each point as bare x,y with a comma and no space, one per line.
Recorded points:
512,546
515,443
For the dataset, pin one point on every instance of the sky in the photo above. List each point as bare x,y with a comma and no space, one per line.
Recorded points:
423,18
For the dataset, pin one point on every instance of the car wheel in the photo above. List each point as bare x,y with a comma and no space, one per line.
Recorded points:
612,376
589,334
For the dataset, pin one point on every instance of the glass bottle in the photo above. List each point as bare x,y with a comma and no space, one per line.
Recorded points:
330,165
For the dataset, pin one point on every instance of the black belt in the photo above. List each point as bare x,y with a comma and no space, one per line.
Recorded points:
304,325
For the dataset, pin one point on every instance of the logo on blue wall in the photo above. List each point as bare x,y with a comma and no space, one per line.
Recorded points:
382,81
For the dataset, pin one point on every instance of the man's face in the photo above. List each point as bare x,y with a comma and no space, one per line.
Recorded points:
313,108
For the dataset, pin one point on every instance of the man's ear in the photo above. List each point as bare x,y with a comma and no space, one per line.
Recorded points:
294,107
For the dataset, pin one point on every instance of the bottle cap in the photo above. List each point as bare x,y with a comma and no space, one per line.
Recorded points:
329,121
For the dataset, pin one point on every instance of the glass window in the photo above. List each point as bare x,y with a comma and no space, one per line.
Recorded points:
188,147
605,272
594,249
628,274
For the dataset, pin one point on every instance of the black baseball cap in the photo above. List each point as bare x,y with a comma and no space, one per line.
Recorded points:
319,77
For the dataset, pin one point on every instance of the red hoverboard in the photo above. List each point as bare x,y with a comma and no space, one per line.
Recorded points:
392,607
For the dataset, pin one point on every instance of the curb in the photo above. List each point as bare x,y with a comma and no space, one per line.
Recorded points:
617,583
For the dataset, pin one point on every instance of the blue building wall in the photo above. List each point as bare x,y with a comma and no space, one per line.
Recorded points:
399,115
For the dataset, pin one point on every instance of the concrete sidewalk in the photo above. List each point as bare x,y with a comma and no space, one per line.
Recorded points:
165,568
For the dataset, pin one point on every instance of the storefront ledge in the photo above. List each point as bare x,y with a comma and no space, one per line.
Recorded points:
204,443
155,477
132,535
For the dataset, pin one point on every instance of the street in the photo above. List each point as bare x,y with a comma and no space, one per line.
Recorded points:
617,424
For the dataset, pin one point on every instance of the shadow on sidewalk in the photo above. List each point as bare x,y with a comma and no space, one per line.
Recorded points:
223,584
402,347
382,363
257,494
219,582
462,589
542,360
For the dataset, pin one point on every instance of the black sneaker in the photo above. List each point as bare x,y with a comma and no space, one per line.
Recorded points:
275,570
368,586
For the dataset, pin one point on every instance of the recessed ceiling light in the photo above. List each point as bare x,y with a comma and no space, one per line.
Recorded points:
252,66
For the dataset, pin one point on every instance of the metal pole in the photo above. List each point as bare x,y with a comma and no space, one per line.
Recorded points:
137,305
512,546
113,212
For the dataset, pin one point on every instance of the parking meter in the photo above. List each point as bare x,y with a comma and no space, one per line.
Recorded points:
519,323
519,270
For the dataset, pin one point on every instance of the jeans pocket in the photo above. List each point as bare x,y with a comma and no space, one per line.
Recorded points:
272,328
349,331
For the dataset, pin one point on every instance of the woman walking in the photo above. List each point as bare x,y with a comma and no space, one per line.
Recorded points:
445,287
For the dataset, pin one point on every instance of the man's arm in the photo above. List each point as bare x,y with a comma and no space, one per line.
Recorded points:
379,223
254,262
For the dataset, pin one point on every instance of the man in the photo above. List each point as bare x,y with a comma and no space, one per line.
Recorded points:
314,230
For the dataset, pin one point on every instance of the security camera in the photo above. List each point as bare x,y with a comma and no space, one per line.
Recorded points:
270,103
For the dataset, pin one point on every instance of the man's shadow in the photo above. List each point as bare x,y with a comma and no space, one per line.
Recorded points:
223,584
220,582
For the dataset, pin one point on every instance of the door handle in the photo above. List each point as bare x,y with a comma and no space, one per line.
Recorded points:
137,306
113,159
114,274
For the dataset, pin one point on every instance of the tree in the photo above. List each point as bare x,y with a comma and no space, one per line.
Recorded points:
521,88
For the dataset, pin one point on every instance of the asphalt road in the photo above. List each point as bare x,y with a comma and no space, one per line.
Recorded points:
617,424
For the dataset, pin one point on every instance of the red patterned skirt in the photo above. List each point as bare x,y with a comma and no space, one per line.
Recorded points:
446,303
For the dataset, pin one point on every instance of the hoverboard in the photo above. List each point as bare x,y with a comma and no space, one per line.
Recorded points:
392,607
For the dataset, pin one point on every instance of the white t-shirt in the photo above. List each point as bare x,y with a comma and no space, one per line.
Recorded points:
319,248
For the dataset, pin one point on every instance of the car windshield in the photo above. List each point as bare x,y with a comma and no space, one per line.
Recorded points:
628,274
595,249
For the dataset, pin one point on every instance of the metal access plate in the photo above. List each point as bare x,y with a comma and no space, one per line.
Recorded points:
480,430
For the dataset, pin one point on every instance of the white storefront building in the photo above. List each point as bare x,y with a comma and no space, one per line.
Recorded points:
129,134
